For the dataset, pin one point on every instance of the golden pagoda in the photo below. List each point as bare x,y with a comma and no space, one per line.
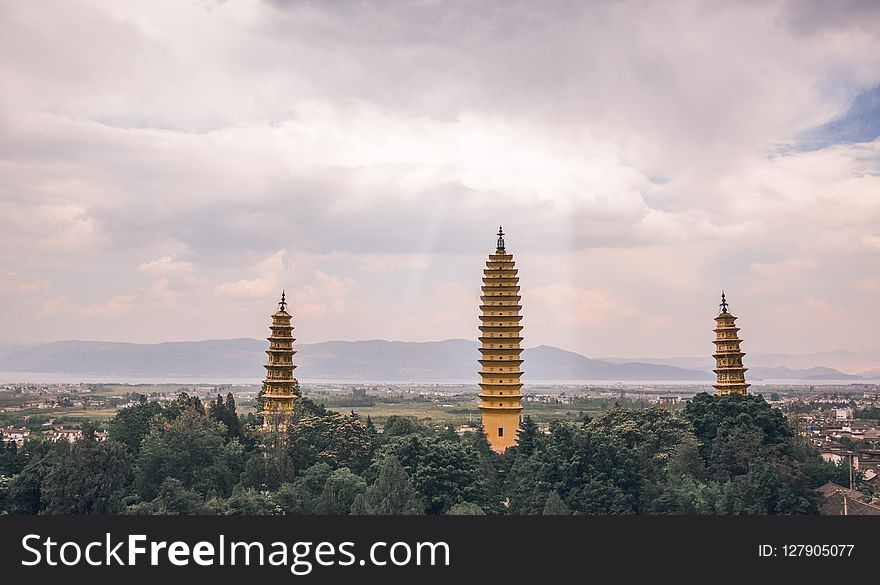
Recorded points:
500,395
280,388
731,375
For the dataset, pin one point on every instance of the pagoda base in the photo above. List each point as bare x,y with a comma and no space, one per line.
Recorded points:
501,426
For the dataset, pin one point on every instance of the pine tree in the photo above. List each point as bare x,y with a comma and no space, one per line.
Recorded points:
224,411
231,420
465,509
481,441
391,494
528,436
260,399
555,506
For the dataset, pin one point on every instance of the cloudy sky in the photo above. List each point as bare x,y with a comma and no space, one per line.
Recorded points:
167,167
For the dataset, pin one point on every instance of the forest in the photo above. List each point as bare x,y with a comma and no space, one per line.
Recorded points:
720,455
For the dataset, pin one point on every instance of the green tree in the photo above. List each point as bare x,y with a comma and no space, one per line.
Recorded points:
340,491
301,496
267,469
872,414
465,509
251,502
5,507
89,479
306,407
25,493
132,424
764,489
391,494
398,426
335,439
448,434
183,403
443,472
193,449
173,499
527,437
682,494
601,496
259,406
588,467
818,472
555,506
224,412
685,460
708,414
12,459
481,441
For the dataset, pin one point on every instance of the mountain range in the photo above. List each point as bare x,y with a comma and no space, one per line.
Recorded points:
775,365
375,360
368,361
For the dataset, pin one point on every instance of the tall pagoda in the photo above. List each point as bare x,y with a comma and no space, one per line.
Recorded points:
500,395
280,388
731,375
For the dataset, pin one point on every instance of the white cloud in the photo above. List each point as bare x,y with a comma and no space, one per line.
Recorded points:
330,296
266,285
386,263
166,265
114,306
563,303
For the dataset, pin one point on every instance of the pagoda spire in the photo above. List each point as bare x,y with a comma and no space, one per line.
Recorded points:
729,370
280,388
500,350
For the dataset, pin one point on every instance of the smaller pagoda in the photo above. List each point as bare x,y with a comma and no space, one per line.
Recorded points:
280,388
731,375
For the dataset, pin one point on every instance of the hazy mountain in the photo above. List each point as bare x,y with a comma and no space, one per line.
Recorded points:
378,360
550,363
870,374
375,360
9,348
784,373
828,365
843,360
227,357
693,363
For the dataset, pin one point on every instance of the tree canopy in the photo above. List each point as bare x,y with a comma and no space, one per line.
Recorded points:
719,455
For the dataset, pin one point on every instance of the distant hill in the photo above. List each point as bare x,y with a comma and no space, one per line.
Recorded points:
828,365
551,363
227,357
375,360
784,373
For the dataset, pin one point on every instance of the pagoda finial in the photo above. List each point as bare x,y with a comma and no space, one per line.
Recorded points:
723,304
283,304
500,245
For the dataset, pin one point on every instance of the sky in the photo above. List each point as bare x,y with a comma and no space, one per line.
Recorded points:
168,167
